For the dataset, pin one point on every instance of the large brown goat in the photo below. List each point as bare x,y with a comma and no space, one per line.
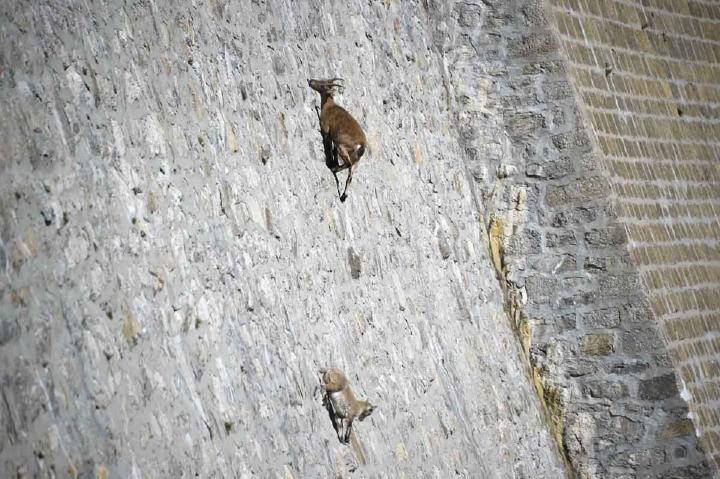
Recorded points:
342,135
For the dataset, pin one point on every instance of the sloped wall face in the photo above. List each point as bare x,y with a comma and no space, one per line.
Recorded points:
561,253
648,79
175,265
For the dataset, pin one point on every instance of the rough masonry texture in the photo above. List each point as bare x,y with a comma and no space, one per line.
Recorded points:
575,298
176,265
523,278
647,76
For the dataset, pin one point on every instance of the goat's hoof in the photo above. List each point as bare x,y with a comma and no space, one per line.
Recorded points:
343,198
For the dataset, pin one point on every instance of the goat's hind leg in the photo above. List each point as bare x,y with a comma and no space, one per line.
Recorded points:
347,182
342,151
331,156
340,428
344,156
332,161
353,159
337,182
348,430
330,150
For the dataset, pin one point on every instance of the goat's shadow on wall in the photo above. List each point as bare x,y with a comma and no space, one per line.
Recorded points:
331,414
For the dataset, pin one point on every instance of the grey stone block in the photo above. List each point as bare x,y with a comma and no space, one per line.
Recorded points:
602,318
658,387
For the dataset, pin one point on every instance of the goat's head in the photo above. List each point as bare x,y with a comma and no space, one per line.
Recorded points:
327,87
366,410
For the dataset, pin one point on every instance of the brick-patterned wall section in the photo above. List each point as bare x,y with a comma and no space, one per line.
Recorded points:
561,253
175,265
647,75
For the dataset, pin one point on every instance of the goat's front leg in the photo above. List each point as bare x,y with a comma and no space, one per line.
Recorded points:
330,150
331,160
340,428
337,182
348,430
347,182
331,155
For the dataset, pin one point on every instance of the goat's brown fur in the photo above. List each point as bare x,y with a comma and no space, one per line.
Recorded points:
341,129
345,406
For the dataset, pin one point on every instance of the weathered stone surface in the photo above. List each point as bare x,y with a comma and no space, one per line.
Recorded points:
638,340
602,238
565,238
645,74
679,428
582,191
594,361
607,389
176,265
597,344
659,387
355,262
603,318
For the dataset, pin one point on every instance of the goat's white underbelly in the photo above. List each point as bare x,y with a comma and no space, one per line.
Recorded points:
340,404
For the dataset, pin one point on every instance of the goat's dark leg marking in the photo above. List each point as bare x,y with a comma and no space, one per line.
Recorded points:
330,150
331,160
347,163
347,182
353,159
341,434
348,430
337,182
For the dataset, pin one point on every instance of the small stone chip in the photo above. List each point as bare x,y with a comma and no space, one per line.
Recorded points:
131,328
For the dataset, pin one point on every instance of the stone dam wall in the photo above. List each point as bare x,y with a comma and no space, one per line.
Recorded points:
175,265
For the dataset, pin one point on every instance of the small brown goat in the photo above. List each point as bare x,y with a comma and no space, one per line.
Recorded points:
342,135
343,404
